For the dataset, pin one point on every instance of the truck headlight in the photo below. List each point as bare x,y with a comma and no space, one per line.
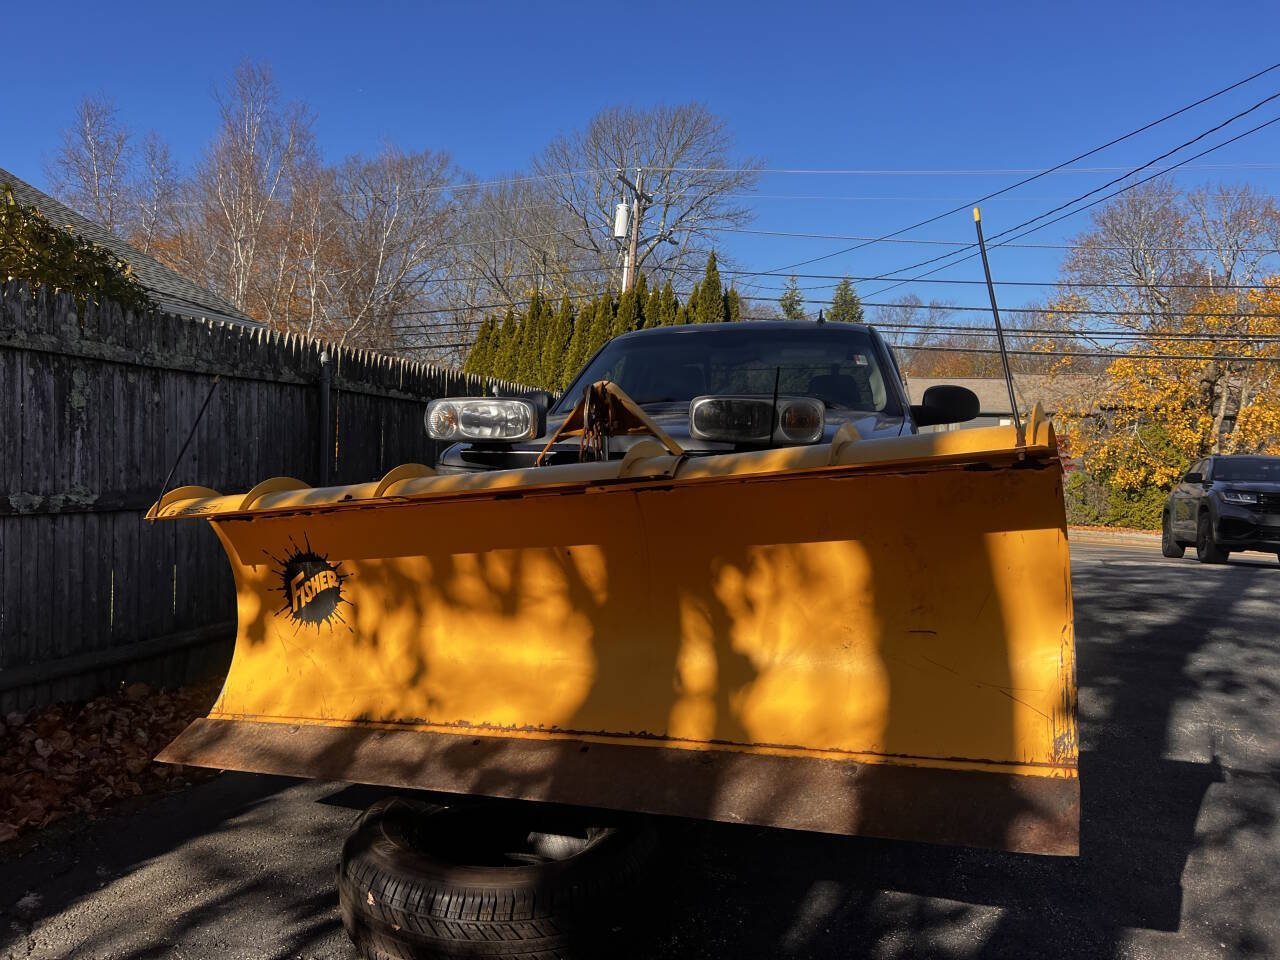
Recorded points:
1239,496
753,419
481,418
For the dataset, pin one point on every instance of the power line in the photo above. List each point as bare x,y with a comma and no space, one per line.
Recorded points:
966,172
939,307
693,272
1043,173
1069,213
977,332
1110,183
1093,354
1080,354
944,329
966,243
1050,334
1018,283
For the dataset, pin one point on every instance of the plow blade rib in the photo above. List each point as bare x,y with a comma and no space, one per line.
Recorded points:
863,637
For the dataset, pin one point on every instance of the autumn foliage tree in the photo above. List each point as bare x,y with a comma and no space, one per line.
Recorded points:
1189,278
1200,389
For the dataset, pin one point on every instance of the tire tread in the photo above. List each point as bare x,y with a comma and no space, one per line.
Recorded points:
413,917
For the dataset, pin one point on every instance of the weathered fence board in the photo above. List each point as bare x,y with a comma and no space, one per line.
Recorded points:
94,407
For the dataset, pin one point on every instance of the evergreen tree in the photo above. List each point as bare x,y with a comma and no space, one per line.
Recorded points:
669,306
792,300
653,308
642,301
625,319
577,353
555,347
732,305
689,312
708,301
602,326
846,305
504,355
480,356
532,333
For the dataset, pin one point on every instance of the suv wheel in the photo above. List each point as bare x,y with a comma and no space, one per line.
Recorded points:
1207,550
1168,546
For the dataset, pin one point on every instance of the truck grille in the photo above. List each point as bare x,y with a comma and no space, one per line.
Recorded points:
1269,502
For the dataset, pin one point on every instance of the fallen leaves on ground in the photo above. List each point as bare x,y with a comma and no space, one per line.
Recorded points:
72,759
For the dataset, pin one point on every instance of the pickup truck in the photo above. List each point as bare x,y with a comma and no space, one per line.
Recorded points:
714,388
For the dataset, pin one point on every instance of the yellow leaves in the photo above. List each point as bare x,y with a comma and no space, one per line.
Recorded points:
1199,388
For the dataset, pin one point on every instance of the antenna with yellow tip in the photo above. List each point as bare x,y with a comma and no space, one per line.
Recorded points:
995,312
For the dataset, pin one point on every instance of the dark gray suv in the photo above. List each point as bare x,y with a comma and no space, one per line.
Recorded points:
1224,503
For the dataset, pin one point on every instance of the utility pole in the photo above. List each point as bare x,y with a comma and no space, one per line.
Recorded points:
639,202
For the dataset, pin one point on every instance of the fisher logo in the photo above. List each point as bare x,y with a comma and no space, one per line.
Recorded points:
312,587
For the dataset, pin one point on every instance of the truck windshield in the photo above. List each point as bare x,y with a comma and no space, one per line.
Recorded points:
1247,468
837,364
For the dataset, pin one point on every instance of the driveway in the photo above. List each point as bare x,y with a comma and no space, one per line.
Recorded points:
1179,668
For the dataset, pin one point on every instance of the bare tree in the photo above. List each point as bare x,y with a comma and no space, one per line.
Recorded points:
91,171
1137,256
511,240
154,192
244,178
395,221
686,155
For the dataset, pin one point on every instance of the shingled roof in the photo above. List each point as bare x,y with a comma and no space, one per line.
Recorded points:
169,290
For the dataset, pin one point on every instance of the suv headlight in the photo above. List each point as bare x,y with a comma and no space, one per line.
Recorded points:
1239,496
481,418
752,419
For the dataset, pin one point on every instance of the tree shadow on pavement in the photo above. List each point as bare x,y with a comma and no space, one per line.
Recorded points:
176,878
242,866
777,893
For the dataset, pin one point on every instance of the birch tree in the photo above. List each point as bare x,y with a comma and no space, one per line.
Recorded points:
91,170
396,220
245,176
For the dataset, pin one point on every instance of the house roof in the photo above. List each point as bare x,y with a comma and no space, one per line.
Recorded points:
170,290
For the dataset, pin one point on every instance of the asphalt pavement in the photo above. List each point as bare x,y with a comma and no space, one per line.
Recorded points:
1179,670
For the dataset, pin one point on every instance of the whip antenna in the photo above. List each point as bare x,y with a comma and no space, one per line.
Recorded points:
995,312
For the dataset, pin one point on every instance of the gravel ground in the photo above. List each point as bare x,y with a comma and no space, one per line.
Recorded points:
1179,675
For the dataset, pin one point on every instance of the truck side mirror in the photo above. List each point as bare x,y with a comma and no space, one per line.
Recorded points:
541,401
945,403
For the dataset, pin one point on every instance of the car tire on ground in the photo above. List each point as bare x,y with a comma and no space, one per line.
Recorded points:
1207,550
1168,545
419,881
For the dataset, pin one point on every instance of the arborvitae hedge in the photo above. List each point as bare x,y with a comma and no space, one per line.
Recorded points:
544,347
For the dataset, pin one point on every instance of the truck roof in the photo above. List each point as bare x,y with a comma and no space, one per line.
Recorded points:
753,324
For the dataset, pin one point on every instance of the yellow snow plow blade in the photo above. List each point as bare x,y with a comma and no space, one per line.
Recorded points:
867,637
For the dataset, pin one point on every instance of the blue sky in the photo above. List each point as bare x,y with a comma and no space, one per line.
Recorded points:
854,86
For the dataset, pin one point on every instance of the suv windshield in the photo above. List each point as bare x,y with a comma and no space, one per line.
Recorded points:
836,364
1248,468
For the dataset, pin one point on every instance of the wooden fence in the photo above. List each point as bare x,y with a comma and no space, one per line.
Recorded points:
94,407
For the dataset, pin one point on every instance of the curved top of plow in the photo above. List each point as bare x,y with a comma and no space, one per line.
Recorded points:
646,461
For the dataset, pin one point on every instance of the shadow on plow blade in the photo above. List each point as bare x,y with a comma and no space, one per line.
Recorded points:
764,650
879,645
